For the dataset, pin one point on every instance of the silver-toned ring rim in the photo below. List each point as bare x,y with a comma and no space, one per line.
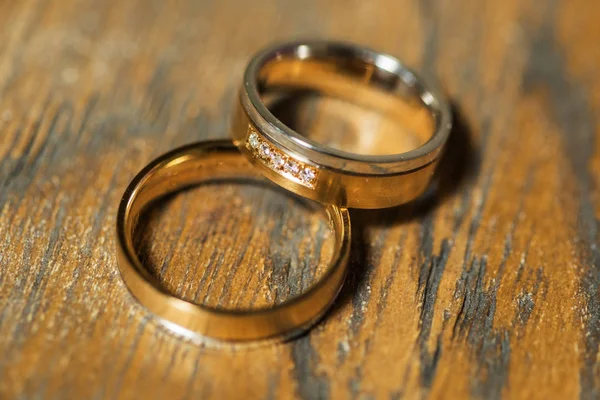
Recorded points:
331,158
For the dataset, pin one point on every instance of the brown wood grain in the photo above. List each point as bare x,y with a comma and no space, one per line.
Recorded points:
487,287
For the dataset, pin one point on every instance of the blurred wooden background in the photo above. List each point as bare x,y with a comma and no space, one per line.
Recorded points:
486,288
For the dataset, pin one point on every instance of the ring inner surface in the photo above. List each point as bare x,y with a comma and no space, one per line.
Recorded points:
230,241
348,104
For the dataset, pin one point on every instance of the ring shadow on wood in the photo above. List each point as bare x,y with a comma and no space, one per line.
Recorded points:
457,169
307,113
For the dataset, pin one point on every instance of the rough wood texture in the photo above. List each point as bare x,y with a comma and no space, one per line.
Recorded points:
488,287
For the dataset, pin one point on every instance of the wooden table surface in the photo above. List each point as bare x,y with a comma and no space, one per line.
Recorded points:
486,288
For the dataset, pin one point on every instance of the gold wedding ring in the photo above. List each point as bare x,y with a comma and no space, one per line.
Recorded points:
191,165
358,75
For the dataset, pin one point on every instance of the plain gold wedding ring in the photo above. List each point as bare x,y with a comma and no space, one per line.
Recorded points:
188,166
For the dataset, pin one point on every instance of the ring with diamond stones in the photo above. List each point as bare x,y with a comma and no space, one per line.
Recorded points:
381,171
190,165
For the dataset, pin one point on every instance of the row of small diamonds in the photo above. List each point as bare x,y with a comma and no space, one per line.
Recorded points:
281,163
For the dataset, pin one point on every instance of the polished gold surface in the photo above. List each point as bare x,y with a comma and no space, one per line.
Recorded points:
334,186
373,173
188,166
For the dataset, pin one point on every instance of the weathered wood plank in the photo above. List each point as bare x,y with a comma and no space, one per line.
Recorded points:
487,287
